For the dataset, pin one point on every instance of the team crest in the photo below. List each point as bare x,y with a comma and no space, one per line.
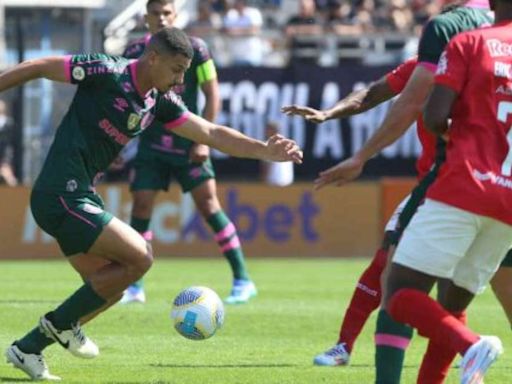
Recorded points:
133,121
78,73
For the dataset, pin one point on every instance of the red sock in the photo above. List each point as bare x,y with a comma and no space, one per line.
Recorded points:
365,300
417,309
438,359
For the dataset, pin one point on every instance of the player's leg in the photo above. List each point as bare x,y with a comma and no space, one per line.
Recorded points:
365,299
142,209
447,242
392,338
149,175
199,180
502,285
82,229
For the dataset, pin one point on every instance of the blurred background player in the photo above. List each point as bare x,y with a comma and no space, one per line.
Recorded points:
162,155
283,174
6,151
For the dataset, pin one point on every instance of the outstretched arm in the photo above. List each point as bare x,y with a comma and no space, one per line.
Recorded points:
232,142
399,118
355,103
51,68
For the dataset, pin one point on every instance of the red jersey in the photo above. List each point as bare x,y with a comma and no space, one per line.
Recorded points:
476,176
397,79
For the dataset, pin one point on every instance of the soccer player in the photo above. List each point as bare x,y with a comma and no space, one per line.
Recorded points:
116,100
392,338
162,155
464,229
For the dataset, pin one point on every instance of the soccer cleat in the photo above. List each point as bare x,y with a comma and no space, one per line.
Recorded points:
478,358
72,339
241,292
31,363
337,355
133,294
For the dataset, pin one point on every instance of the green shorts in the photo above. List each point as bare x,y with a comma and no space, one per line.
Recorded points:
153,171
507,261
417,196
75,220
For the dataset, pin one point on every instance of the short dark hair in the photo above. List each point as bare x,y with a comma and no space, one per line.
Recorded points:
161,2
171,41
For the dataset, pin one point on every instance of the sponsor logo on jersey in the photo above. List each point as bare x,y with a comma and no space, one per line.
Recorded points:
133,121
78,73
71,185
498,48
502,70
92,209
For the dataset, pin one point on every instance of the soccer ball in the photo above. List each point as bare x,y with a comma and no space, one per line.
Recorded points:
197,313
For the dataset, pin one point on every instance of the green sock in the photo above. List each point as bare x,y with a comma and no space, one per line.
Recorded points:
34,341
140,225
81,303
391,341
229,243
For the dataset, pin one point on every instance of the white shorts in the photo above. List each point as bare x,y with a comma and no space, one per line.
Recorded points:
451,243
393,220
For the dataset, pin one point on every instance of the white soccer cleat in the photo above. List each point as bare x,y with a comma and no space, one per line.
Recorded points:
242,292
337,355
72,339
478,358
30,363
133,295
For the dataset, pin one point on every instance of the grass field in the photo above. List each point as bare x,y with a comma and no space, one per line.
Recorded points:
272,340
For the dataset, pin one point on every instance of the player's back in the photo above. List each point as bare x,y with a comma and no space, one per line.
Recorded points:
478,66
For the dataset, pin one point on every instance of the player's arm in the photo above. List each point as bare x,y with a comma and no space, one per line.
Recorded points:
51,68
437,111
200,152
355,103
399,118
234,143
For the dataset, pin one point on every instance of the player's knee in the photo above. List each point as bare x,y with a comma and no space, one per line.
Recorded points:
208,206
142,263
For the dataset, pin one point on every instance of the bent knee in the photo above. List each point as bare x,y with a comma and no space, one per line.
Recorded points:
141,263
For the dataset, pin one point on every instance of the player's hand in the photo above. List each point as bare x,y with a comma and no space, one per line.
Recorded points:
279,148
199,153
343,173
117,165
310,114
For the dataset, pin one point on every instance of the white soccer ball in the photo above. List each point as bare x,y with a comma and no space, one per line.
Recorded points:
197,313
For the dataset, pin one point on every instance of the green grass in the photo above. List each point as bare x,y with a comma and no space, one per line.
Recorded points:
271,340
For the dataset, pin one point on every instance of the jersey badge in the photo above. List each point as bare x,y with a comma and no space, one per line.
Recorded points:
71,185
133,121
78,73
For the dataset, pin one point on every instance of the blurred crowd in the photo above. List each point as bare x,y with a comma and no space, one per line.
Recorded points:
242,29
340,16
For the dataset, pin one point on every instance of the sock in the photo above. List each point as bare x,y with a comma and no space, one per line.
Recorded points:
391,341
365,300
34,341
438,359
141,226
81,303
431,320
229,243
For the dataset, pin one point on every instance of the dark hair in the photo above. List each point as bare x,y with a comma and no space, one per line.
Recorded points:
171,41
161,2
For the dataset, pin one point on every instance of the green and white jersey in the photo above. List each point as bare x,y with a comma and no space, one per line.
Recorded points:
201,69
442,28
106,112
